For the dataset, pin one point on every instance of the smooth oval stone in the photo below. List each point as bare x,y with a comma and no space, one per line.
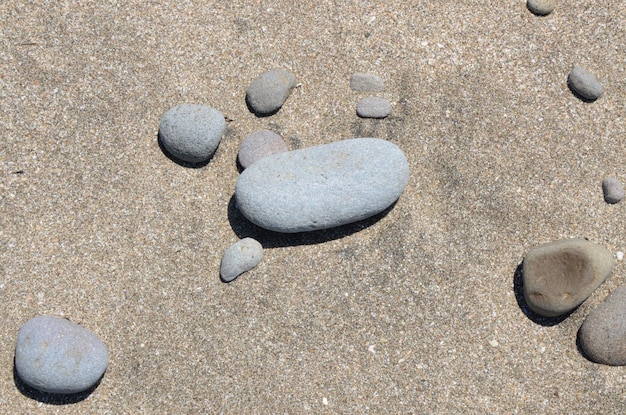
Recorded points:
192,133
366,82
269,91
240,257
323,186
57,356
373,107
560,275
602,335
541,7
613,190
258,145
584,84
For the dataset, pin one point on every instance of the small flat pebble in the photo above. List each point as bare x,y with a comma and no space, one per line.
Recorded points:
191,133
258,145
613,190
240,257
560,275
366,82
541,7
584,84
268,92
602,335
57,356
323,186
373,107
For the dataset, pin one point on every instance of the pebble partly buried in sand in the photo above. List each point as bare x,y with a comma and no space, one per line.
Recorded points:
366,82
268,92
541,7
584,84
258,145
373,107
240,257
613,190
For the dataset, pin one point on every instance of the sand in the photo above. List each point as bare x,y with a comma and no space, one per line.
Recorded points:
415,311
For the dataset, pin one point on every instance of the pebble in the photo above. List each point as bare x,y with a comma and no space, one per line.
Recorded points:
613,190
323,186
373,107
541,7
584,84
55,355
240,257
602,335
366,82
268,92
258,145
191,132
560,275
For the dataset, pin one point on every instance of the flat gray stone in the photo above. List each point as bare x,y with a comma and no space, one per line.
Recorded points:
366,82
613,190
323,186
57,356
258,145
191,133
240,257
541,7
373,107
602,335
560,275
584,84
268,92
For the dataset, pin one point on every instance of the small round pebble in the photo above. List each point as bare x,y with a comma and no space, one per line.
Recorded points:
258,145
268,92
240,257
57,356
366,82
191,133
584,84
613,190
541,7
373,107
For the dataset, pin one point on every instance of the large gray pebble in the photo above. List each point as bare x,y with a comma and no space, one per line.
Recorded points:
240,257
258,145
602,335
57,356
584,83
192,133
268,92
366,82
541,7
323,186
560,275
613,190
373,107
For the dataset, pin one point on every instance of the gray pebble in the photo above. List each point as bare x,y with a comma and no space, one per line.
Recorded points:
268,92
541,7
613,190
57,356
258,145
560,275
584,84
323,186
373,107
366,82
240,257
191,133
602,335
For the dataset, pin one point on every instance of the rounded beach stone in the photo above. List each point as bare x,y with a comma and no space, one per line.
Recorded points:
560,275
269,91
323,186
366,82
258,145
240,257
57,356
541,7
584,84
602,335
613,190
191,132
373,107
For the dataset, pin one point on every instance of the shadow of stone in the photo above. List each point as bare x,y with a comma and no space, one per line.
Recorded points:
179,161
243,228
518,289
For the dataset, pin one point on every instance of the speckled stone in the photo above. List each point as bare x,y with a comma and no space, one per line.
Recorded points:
366,82
258,145
584,84
373,107
240,257
57,356
602,335
560,275
268,92
541,7
613,190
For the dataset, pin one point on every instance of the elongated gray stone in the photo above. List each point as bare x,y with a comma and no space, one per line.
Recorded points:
584,83
240,257
323,186
269,91
57,356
